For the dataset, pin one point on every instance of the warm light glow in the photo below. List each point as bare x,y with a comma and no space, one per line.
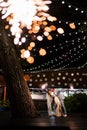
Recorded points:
7,27
26,77
30,14
72,26
60,30
42,52
22,50
26,54
22,55
53,28
30,59
46,34
47,29
32,44
49,37
39,38
29,48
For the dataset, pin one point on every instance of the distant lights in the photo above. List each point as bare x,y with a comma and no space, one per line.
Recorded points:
76,9
63,2
69,6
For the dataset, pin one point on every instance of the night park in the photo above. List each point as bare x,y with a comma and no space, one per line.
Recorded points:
43,64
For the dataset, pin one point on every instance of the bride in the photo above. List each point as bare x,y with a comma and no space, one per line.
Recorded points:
57,103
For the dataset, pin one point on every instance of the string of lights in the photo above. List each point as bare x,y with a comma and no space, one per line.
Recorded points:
54,38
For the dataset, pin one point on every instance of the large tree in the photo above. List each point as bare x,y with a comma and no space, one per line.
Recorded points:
21,103
22,17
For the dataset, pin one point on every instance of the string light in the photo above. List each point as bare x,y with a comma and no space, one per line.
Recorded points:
40,26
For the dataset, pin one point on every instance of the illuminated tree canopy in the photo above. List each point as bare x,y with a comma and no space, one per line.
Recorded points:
48,34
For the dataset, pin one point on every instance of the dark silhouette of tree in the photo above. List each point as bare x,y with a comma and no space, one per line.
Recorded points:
21,103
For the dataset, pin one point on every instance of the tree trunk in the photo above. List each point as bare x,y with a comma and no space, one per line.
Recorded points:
21,103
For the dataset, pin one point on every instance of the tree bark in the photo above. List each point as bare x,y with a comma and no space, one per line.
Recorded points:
21,103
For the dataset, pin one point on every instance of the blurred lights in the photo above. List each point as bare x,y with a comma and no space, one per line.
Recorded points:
72,26
27,77
42,52
33,15
30,59
60,30
29,14
26,54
